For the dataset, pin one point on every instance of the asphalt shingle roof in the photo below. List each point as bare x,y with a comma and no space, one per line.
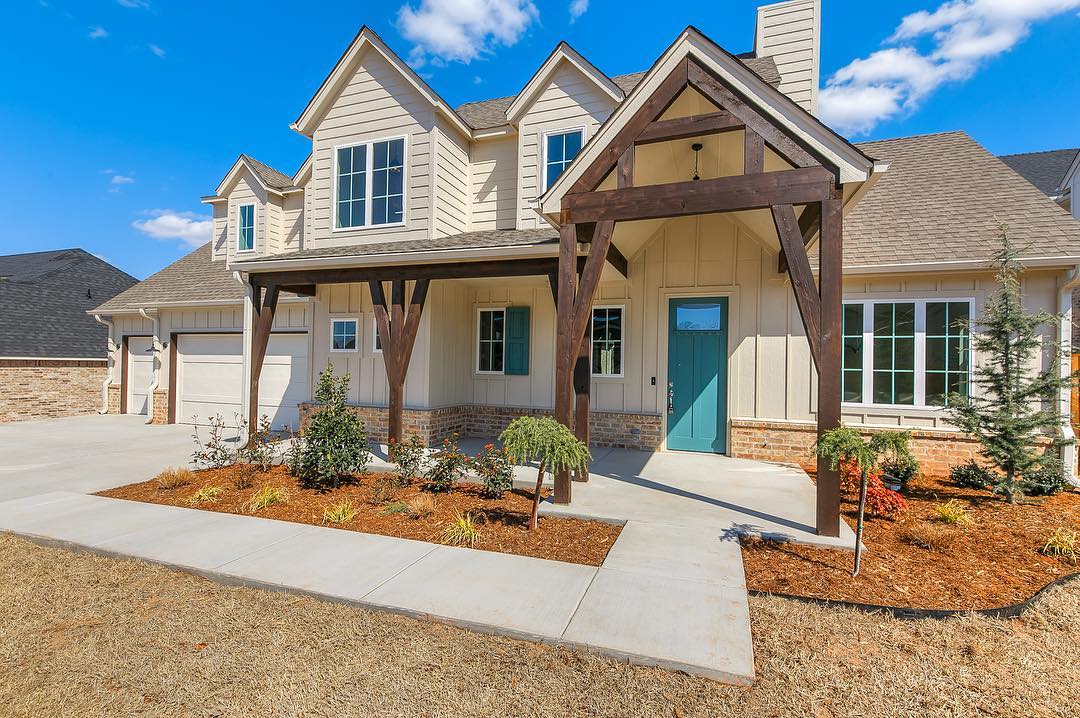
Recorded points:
492,113
269,176
44,297
1045,170
192,278
940,201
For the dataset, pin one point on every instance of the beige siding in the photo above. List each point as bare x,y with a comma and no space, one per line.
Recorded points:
247,191
275,226
451,180
448,302
220,237
493,192
292,230
376,103
789,32
570,100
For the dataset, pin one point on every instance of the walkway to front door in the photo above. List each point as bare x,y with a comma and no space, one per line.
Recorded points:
697,374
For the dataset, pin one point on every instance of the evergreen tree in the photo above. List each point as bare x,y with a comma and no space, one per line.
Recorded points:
1012,403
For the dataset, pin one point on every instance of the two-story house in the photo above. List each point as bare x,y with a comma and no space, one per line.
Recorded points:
683,258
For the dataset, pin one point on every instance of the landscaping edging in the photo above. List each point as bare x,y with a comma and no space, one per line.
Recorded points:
915,614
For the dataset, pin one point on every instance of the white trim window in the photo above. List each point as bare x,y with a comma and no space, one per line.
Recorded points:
369,184
245,228
491,332
376,341
608,327
914,352
560,149
344,334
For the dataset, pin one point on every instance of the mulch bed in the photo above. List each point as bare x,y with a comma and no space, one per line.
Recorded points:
503,522
992,562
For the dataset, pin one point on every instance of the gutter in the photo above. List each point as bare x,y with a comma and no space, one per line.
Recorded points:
110,361
155,375
441,256
1065,321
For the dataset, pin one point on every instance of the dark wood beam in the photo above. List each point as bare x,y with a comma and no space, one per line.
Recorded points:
808,227
683,128
590,280
263,309
582,395
722,194
830,358
753,153
397,327
661,99
303,290
455,270
565,345
716,91
624,170
124,379
802,278
553,282
617,260
173,338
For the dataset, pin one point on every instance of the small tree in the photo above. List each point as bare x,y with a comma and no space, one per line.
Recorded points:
1011,404
335,442
542,439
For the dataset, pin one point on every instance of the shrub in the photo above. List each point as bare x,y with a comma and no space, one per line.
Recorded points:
884,503
1064,544
971,475
339,512
495,470
462,531
174,478
899,470
243,475
1048,478
267,496
335,443
382,490
395,507
448,465
215,452
259,450
206,495
421,506
545,440
408,457
952,512
930,536
896,462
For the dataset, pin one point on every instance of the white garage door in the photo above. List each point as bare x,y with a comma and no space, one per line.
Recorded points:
209,376
140,373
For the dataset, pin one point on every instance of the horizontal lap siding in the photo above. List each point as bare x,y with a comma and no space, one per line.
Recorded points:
788,33
570,100
220,237
451,181
493,192
293,223
375,103
247,191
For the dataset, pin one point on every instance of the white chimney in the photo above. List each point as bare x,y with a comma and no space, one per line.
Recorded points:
790,33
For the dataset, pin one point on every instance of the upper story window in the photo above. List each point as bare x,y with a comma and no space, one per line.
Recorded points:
245,228
370,184
911,353
560,149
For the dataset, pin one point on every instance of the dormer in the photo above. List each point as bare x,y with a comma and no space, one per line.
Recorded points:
258,211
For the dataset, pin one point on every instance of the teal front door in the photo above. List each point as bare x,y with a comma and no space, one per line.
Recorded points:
697,374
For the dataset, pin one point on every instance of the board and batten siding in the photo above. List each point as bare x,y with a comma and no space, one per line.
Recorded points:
451,180
570,100
493,193
376,102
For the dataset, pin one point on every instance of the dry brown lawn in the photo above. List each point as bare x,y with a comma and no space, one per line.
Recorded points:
87,636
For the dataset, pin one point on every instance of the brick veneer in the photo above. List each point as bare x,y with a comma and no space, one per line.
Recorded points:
40,389
790,442
114,398
161,406
615,429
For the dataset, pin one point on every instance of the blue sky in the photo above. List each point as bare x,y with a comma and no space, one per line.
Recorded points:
117,115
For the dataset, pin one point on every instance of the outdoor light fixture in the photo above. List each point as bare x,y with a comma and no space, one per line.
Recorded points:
696,147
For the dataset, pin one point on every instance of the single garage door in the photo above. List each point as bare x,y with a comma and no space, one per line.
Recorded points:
209,375
140,372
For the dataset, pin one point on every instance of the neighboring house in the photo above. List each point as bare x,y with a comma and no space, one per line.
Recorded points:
1069,185
694,189
51,351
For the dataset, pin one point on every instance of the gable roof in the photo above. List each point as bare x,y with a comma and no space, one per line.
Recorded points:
939,204
1045,170
269,178
540,79
486,114
366,37
194,278
44,297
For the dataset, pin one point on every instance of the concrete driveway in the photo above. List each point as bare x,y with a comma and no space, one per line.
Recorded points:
84,454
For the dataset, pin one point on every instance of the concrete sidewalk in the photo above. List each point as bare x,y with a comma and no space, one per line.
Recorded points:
670,596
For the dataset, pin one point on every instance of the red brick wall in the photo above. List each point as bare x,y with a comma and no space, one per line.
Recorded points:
161,406
39,389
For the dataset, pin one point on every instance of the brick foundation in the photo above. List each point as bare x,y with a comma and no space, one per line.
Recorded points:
936,450
161,406
114,398
42,389
608,429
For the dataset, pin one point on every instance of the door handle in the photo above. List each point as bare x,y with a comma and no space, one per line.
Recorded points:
671,397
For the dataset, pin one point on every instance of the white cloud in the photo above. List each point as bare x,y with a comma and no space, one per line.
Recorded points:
98,32
134,3
578,8
463,30
123,179
192,229
156,50
961,35
116,180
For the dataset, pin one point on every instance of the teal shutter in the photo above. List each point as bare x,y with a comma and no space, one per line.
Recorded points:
517,341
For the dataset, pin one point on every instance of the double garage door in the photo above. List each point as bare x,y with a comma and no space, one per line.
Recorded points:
209,377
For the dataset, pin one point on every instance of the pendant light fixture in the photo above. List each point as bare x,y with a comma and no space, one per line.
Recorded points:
696,147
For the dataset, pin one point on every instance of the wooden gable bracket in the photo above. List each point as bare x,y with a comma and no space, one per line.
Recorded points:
809,224
397,336
802,278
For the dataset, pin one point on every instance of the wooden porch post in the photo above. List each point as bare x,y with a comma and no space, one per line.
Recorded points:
830,283
397,335
582,389
565,349
263,322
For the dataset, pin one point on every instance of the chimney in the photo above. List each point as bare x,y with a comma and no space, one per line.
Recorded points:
790,33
